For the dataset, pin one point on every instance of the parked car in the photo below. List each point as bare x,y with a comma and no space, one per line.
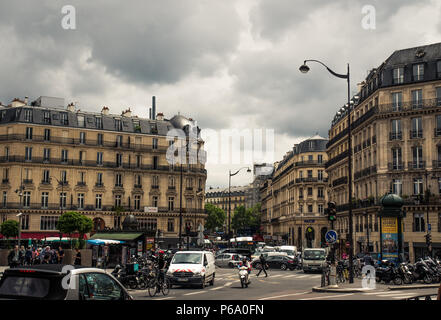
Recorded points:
192,267
228,260
242,251
49,282
282,262
255,257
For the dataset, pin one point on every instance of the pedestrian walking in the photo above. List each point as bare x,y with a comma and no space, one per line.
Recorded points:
262,266
14,257
22,255
77,261
28,256
60,255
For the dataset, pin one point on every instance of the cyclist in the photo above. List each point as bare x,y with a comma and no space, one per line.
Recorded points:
161,263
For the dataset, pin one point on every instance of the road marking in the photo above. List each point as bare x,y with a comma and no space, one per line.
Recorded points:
284,295
228,284
277,275
166,298
293,275
217,288
301,277
191,293
393,294
334,296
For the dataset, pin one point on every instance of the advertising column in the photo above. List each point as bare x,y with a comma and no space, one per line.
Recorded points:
389,237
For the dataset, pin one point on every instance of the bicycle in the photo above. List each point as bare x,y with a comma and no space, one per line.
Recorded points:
159,284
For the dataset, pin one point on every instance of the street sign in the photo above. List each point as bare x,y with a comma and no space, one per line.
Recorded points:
348,244
429,227
331,236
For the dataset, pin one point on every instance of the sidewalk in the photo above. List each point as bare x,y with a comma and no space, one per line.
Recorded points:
357,287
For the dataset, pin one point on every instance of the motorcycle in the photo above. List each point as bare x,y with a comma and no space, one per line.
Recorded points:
388,273
420,271
243,276
435,268
404,273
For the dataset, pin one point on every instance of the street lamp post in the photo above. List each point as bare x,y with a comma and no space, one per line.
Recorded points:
19,227
61,203
304,69
229,197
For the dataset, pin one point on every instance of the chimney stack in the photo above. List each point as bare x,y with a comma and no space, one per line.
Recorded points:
150,113
160,116
26,100
127,113
105,111
153,108
71,107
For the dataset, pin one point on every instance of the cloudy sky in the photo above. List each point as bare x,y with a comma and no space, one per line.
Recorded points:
227,64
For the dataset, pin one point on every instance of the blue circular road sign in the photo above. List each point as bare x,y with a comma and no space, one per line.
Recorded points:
331,236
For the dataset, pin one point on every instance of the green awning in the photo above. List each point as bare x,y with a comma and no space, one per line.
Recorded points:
116,236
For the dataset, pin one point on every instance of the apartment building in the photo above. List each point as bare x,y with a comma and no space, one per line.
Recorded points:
55,159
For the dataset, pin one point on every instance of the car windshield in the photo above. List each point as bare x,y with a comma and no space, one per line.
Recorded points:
314,255
25,287
184,258
288,252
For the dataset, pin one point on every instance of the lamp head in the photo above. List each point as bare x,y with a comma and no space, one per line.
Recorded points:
248,170
304,68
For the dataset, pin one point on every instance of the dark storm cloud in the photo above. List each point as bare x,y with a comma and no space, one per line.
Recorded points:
145,42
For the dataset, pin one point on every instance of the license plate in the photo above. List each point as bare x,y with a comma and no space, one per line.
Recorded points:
182,279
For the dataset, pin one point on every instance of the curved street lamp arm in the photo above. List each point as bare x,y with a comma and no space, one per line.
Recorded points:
338,75
233,174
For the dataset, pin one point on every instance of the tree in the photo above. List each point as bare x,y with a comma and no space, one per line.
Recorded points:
216,217
9,229
71,222
247,218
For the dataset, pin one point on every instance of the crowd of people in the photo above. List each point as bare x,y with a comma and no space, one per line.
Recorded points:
20,256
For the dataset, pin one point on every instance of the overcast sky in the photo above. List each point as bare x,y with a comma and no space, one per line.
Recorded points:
227,64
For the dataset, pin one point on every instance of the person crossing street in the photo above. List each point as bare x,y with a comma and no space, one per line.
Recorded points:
262,265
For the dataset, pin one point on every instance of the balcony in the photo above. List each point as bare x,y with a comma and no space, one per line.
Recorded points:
416,165
306,180
408,106
340,181
99,185
341,156
155,187
81,184
189,188
118,185
437,132
392,166
138,186
27,181
436,164
416,134
5,181
63,183
395,136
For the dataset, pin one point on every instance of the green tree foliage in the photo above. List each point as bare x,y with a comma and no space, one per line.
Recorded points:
9,228
246,218
71,222
216,217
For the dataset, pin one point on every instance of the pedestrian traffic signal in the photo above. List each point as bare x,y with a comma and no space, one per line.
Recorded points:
187,230
332,211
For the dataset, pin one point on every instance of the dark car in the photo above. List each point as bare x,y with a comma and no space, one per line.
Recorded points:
277,262
55,282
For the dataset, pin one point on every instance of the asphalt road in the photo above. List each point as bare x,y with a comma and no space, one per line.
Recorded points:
279,285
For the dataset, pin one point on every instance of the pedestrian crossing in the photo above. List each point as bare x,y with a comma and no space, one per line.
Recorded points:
391,294
233,277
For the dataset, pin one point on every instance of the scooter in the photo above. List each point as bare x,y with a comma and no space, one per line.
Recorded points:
243,276
421,271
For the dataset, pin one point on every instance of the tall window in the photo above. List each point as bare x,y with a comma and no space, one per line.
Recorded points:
44,200
155,201
155,143
119,141
438,126
137,202
63,155
81,157
47,134
99,179
320,158
170,225
300,193
4,199
118,124
99,139
417,128
48,222
26,199
46,154
397,186
396,159
63,176
395,129
63,198
398,75
80,201
155,162
397,100
138,180
117,200
418,222
418,72
320,193
81,122
309,173
46,176
46,117
29,133
320,209
417,186
138,161
98,201
27,115
417,153
417,99
171,203
118,159
99,158
82,137
118,180
28,153
155,181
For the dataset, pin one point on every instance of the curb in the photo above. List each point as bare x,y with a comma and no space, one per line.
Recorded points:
427,286
342,290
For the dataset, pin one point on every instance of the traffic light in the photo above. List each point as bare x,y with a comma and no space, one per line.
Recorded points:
187,229
332,211
428,239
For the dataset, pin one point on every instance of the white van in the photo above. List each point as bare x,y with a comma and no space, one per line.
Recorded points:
313,259
291,251
192,267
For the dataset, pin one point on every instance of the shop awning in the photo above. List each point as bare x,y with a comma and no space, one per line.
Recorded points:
116,236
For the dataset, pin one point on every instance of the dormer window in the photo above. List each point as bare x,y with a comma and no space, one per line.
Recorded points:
118,124
27,115
64,118
398,75
99,122
47,117
418,72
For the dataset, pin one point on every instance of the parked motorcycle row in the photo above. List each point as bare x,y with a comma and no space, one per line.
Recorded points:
425,270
